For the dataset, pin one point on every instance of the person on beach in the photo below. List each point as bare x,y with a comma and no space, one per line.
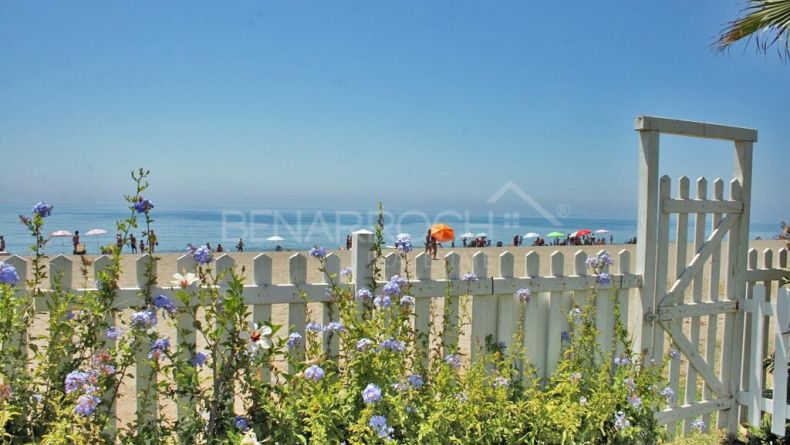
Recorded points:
133,243
428,239
348,242
220,249
142,246
434,245
240,246
208,246
2,244
75,240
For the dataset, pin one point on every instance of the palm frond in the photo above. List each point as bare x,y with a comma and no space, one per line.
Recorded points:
765,21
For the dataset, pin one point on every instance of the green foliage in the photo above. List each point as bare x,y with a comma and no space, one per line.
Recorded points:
765,21
598,393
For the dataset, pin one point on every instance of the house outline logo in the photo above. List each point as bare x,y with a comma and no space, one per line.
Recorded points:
510,186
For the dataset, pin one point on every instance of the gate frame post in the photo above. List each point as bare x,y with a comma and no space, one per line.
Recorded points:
641,325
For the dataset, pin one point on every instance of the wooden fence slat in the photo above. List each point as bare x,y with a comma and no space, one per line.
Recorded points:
662,267
713,296
624,266
422,310
330,310
781,326
756,377
536,329
768,288
559,305
604,314
20,339
696,296
297,273
262,276
60,270
484,310
146,378
731,337
185,338
507,312
452,307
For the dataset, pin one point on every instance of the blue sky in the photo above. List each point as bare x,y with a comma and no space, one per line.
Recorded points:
429,105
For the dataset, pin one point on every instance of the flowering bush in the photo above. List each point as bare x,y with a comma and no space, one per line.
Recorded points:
373,387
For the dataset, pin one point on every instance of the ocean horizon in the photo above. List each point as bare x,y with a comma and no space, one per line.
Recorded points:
303,229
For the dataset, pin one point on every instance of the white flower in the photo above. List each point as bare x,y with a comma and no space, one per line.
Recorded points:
259,337
249,438
184,281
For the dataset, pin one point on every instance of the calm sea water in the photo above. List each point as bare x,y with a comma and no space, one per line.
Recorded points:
301,229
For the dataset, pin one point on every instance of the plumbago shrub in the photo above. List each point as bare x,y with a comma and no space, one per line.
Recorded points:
357,379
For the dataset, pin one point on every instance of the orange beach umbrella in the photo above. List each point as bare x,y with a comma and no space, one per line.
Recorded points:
442,232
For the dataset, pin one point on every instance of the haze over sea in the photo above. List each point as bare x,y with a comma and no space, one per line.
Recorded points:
302,229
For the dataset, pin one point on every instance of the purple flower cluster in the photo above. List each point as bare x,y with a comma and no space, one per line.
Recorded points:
318,252
364,294
454,360
620,421
334,326
674,354
393,345
371,393
314,326
364,343
415,380
629,382
113,333
404,244
622,361
42,210
85,383
380,427
199,359
395,285
86,404
407,301
668,393
295,339
202,255
164,302
158,347
501,382
603,279
345,272
469,277
698,425
522,294
144,319
635,401
382,301
314,373
8,274
242,424
143,205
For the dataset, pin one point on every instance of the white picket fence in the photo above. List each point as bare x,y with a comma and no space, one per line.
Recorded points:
493,306
766,335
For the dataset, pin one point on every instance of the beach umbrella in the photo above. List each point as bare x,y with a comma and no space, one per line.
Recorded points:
583,232
482,235
467,235
96,233
556,235
601,231
60,234
532,235
442,232
275,238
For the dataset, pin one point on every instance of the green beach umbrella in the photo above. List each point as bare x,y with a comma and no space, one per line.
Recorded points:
556,235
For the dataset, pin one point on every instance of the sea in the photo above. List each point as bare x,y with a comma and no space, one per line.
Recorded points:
301,229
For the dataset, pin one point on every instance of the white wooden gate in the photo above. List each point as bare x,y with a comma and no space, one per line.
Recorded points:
673,304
